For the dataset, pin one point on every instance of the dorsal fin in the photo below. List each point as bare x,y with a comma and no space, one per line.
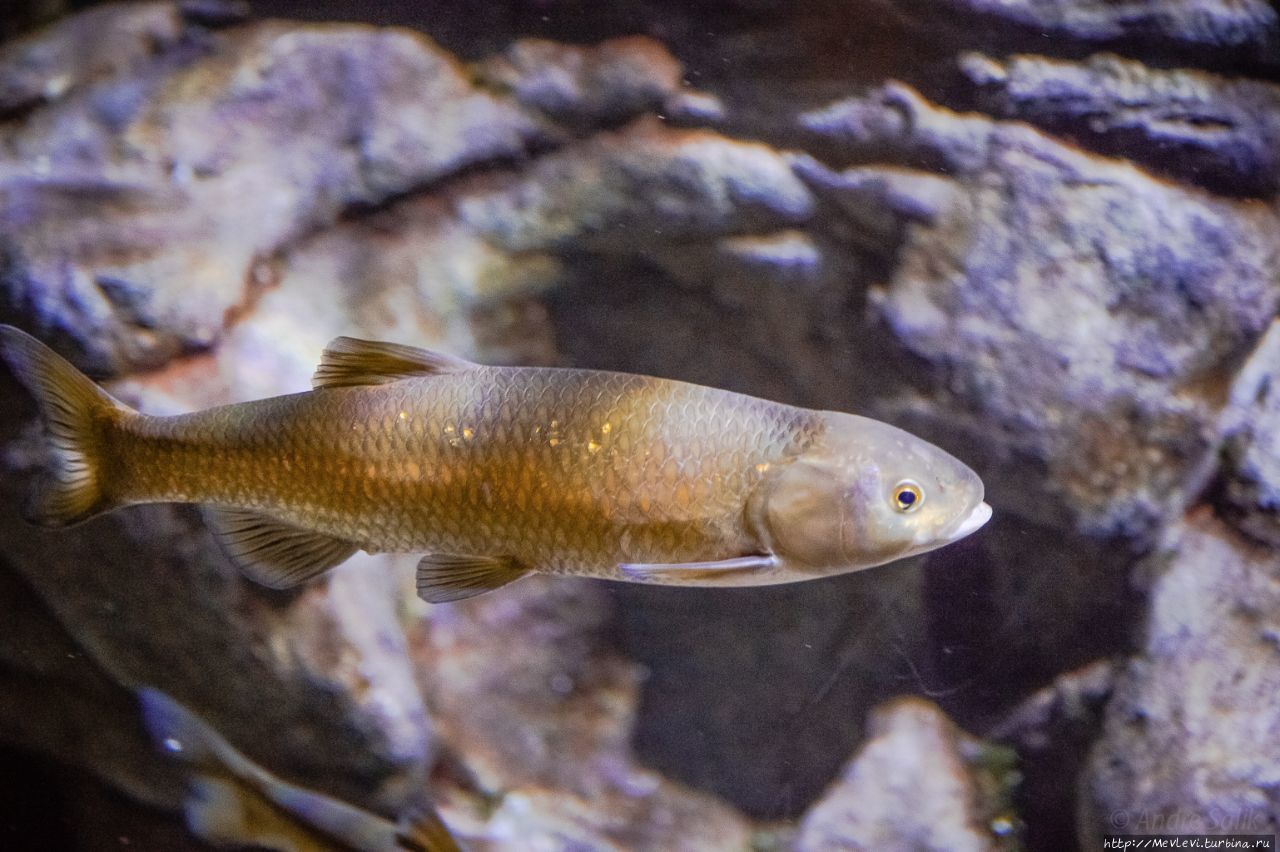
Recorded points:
348,361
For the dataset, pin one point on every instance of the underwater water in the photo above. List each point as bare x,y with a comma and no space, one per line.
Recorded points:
1041,236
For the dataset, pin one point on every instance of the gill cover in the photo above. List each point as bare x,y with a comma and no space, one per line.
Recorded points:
802,516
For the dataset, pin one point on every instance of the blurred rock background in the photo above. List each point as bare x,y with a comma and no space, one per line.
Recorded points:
1043,235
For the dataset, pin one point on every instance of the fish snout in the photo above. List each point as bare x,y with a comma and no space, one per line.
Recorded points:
971,523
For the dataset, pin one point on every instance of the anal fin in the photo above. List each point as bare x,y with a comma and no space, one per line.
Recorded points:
445,577
721,572
273,552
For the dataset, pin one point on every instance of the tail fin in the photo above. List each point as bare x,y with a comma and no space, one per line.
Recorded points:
76,413
227,813
424,831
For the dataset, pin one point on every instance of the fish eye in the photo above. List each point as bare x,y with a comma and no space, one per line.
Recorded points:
907,496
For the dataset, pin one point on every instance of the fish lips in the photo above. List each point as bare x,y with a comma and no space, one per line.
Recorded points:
974,522
966,526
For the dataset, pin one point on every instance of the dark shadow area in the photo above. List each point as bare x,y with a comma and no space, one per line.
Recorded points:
50,807
760,695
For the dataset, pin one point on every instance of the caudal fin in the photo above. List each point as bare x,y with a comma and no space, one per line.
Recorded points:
77,414
424,831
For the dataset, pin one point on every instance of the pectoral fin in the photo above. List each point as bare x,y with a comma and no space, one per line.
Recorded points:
349,361
721,572
275,553
444,577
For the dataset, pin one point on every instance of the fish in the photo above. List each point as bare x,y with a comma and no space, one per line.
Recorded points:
232,801
498,472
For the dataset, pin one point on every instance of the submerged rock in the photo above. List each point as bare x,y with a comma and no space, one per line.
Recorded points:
136,213
585,87
1249,493
98,44
1189,744
1215,131
918,783
1218,29
646,185
669,817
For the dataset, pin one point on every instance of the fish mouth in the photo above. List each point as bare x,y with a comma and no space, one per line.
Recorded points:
974,522
970,524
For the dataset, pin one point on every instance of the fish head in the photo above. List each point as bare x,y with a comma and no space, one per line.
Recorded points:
866,493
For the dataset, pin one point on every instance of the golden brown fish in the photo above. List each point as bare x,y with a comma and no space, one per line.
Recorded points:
499,471
233,801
